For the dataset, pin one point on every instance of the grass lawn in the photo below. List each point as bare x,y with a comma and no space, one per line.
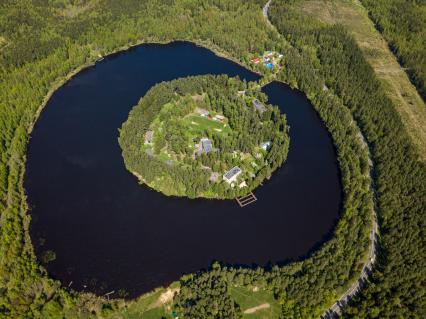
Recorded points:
148,306
354,17
248,299
202,124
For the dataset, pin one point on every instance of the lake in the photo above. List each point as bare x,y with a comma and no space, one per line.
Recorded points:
110,233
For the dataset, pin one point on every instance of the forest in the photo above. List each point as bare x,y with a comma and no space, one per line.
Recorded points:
44,42
176,163
403,24
399,176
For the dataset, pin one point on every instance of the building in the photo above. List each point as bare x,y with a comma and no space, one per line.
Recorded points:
219,118
206,145
242,184
231,175
202,112
259,106
256,60
265,145
149,136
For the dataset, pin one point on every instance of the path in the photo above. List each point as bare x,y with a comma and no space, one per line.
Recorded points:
254,309
265,12
335,310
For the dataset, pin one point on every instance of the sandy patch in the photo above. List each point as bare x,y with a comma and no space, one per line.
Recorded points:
254,309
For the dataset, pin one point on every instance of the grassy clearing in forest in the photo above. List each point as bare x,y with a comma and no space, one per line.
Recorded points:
354,17
248,298
153,305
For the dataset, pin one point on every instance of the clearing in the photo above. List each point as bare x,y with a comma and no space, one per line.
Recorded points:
153,305
353,16
254,309
256,303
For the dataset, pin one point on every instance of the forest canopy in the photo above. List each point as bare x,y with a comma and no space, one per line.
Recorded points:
206,136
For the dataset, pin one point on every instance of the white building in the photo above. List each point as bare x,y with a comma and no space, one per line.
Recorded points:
206,145
149,136
202,112
231,175
265,145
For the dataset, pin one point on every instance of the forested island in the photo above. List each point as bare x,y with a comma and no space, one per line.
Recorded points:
205,136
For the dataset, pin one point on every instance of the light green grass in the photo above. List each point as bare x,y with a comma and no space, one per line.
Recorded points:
203,124
148,306
247,299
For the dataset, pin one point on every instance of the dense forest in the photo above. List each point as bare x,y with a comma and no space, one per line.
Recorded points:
403,24
43,42
395,289
175,166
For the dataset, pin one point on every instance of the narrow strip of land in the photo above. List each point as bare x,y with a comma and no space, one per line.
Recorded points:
335,310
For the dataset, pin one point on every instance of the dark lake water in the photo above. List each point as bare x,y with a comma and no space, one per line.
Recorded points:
110,233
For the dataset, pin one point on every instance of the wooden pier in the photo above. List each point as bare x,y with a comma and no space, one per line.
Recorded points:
246,200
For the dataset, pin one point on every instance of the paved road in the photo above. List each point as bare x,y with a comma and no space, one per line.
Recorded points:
265,11
335,310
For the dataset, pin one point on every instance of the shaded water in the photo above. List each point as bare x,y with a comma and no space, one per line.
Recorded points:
110,233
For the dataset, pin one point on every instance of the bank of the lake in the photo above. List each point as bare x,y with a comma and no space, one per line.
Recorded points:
87,207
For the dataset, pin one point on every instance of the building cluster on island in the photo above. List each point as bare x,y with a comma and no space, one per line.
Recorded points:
205,145
270,59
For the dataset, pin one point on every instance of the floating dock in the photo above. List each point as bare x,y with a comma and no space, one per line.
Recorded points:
246,200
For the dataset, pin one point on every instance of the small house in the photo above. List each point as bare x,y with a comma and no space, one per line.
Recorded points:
259,106
256,60
265,145
149,136
219,118
206,145
242,184
202,112
231,175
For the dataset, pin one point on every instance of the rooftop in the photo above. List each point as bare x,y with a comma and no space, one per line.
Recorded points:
259,106
232,173
206,144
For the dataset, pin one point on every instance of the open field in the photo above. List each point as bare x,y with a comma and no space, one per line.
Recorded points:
154,305
256,304
201,124
354,17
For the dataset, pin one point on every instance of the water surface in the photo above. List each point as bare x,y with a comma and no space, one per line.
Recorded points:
110,233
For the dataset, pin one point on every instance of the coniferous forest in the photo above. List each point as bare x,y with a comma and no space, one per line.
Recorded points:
175,162
42,43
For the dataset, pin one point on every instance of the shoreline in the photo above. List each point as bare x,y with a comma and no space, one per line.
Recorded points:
64,79
58,83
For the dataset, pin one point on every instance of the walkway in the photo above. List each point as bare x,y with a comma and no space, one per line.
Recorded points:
265,12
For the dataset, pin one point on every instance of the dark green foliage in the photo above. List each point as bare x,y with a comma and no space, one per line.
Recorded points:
206,295
41,42
188,176
395,289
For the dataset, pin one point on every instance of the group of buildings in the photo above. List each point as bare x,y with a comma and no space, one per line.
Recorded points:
206,145
206,114
269,59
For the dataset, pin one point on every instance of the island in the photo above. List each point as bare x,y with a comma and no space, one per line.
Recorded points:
204,136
